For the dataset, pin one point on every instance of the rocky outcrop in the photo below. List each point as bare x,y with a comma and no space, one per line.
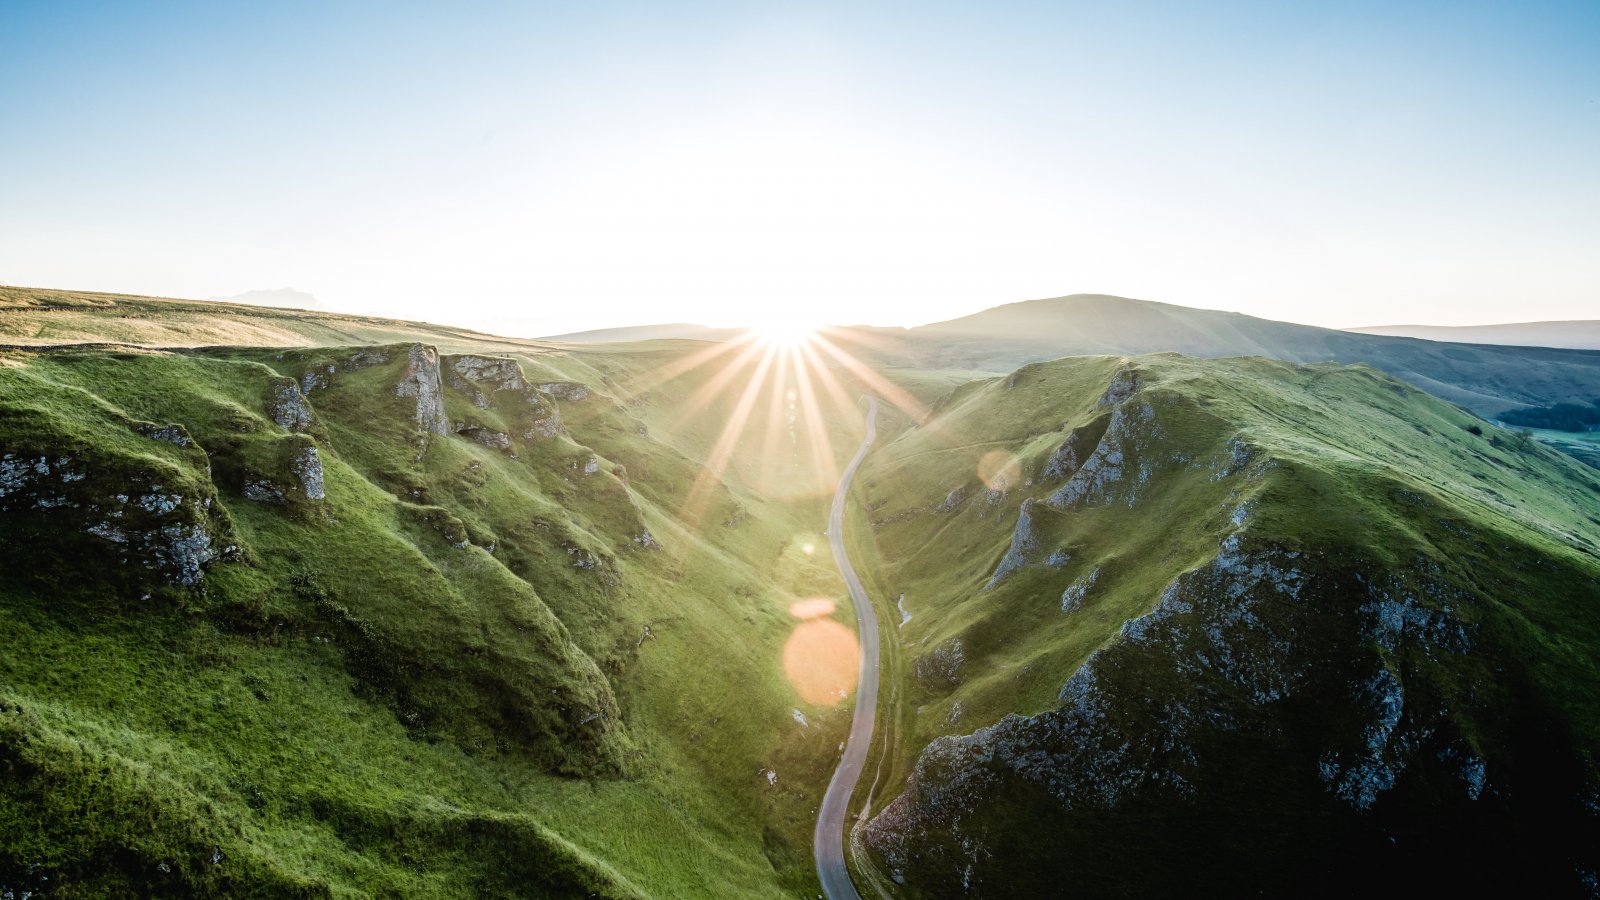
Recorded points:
421,381
573,391
479,377
306,465
498,440
174,434
1072,597
940,669
544,427
1245,639
952,500
1077,447
287,405
1023,546
1120,466
132,515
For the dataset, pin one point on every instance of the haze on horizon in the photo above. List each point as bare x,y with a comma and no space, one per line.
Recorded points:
538,168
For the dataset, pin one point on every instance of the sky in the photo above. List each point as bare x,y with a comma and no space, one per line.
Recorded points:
539,168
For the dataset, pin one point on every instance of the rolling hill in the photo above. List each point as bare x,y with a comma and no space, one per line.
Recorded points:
1574,335
1486,379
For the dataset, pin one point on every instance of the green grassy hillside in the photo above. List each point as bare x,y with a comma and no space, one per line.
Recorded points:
371,620
1224,626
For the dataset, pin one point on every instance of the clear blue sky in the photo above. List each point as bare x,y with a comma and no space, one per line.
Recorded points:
538,168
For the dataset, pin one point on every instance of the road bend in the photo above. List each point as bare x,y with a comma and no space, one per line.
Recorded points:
828,840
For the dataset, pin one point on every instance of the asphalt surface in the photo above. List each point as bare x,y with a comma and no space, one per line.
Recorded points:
828,840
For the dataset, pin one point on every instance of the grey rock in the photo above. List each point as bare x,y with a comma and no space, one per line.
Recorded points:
1072,597
480,377
307,466
941,668
421,381
288,407
1023,545
565,390
262,490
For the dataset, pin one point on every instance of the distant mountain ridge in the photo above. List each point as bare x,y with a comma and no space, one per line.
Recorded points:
1573,334
1488,379
671,331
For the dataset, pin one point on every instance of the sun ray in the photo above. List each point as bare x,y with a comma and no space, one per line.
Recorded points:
879,385
822,451
770,457
703,395
649,381
842,401
693,505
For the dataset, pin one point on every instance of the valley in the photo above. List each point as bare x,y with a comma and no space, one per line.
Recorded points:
311,605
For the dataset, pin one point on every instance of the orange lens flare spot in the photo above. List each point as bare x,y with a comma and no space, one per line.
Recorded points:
816,608
999,471
821,661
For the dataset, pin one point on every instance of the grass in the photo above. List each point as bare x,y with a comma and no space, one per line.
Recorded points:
466,672
369,700
1367,473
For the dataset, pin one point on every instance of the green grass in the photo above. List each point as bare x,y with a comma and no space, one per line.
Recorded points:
368,700
1366,474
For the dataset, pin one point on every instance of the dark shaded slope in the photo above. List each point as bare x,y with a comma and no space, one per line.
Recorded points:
1290,629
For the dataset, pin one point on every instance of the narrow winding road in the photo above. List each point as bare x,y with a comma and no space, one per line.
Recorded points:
828,840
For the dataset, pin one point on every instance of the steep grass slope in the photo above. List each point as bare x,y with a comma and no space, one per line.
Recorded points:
1233,626
376,620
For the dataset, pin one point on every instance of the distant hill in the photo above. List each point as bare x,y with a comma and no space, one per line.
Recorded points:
1576,334
1486,378
671,331
46,316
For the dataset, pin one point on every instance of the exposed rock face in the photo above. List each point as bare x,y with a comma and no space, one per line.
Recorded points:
176,435
422,382
566,390
144,525
288,406
1247,639
1123,385
1072,597
1023,546
940,668
952,500
262,490
1080,442
307,467
480,376
497,439
1103,477
545,427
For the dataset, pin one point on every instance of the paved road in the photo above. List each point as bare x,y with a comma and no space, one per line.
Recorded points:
827,842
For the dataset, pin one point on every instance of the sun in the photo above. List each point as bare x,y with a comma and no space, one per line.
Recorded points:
784,334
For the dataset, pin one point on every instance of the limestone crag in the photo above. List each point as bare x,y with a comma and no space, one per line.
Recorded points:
422,382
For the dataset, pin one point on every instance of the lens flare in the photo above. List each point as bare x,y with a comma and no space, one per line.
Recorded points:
999,471
821,661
